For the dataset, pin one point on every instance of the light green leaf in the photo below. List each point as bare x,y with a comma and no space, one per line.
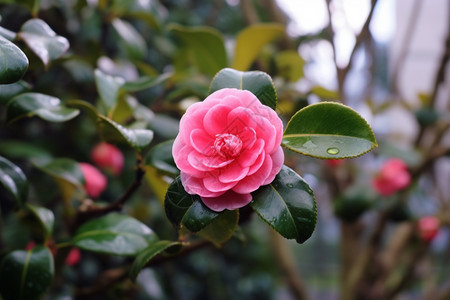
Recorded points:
13,62
134,43
108,88
328,130
206,45
115,234
145,82
43,41
290,65
8,34
8,91
287,205
161,158
250,42
14,180
147,254
257,82
44,106
26,275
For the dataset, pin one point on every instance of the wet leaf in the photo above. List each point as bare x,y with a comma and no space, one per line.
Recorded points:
14,180
13,62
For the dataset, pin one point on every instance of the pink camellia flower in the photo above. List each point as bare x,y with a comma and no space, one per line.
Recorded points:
393,176
107,156
228,146
95,181
428,228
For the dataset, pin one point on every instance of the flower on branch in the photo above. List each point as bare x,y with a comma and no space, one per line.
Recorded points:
392,177
108,157
228,146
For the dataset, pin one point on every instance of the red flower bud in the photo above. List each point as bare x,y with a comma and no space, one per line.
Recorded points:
393,176
73,257
108,156
95,182
428,228
334,162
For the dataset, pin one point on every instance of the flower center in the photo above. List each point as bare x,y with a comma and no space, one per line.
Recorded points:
228,145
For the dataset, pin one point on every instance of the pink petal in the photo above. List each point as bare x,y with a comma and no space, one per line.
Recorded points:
277,164
182,162
249,156
202,141
232,173
215,120
253,182
212,183
265,130
258,163
229,200
239,118
206,163
248,137
195,186
192,119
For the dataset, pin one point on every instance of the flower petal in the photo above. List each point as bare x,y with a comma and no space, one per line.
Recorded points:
202,142
249,156
194,186
229,200
232,173
212,183
192,119
277,164
215,120
253,182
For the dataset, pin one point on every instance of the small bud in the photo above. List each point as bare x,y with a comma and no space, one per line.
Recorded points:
393,176
73,257
428,228
95,182
108,157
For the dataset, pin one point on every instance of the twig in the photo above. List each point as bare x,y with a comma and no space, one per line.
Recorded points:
287,261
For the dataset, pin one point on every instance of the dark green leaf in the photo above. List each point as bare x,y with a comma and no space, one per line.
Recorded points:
115,234
206,45
14,180
43,41
13,62
222,228
328,130
161,158
44,106
257,82
288,205
250,42
8,91
353,203
26,275
134,43
17,149
147,254
44,217
198,216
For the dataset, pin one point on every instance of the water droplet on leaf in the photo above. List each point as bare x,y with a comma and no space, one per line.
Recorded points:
333,151
290,185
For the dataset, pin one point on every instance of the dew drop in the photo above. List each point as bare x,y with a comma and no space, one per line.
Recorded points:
290,185
333,151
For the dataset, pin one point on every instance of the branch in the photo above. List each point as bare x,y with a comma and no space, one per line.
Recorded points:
287,262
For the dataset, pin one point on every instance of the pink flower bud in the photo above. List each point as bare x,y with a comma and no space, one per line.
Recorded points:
428,228
108,156
393,176
333,163
95,182
73,257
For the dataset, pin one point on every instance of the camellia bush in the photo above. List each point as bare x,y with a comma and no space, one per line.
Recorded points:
134,140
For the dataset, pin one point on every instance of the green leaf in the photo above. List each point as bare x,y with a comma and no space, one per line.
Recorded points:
161,158
147,254
134,43
45,220
44,106
257,82
13,62
250,42
186,209
14,180
115,234
288,205
353,203
20,149
108,88
67,174
206,45
328,130
290,65
145,82
8,34
324,93
43,41
111,131
8,91
222,228
26,275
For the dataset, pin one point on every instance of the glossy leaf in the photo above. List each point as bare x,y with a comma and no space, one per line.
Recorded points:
161,158
8,91
198,216
328,130
13,62
115,234
108,88
14,180
257,82
250,42
44,106
26,275
43,41
206,45
145,82
287,205
111,131
148,254
44,217
222,228
133,41
8,34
